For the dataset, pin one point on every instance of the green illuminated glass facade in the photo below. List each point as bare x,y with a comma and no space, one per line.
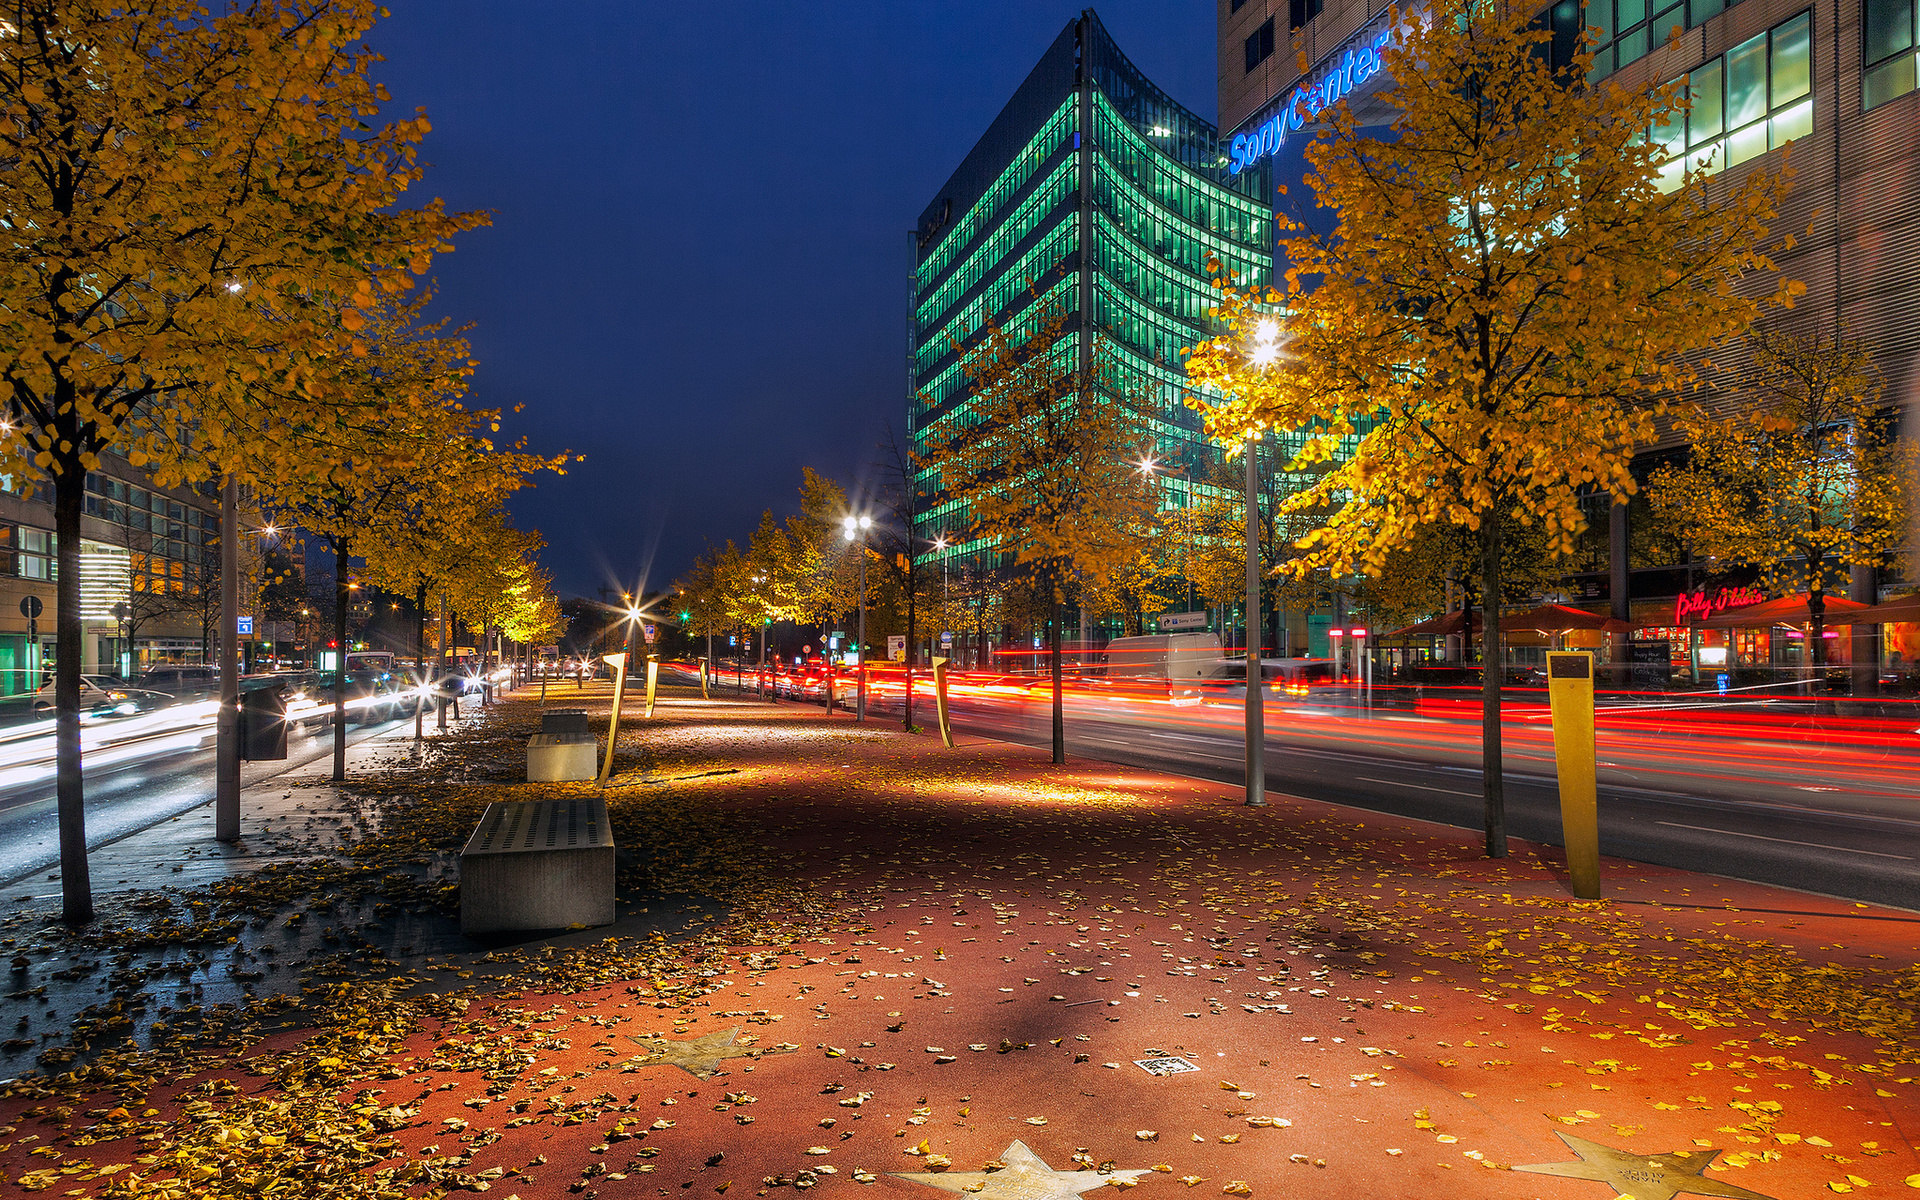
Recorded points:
1094,188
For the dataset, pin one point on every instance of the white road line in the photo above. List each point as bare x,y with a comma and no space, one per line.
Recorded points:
1789,841
1420,786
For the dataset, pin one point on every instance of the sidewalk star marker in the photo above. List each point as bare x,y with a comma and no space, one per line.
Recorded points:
1026,1178
700,1057
1642,1176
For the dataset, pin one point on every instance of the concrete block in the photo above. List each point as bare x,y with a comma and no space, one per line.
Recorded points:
562,758
538,864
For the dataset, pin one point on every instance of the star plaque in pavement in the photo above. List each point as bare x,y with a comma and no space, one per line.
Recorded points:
699,1058
1642,1176
1025,1178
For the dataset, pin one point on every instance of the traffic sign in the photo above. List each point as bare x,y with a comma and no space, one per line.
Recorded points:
1169,622
946,638
245,626
31,608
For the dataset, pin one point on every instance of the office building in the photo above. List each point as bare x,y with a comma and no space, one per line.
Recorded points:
1098,191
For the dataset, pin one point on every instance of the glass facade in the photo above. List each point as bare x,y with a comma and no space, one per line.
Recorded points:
1096,189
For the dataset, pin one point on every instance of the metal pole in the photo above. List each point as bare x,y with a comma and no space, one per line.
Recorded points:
1256,691
860,712
226,804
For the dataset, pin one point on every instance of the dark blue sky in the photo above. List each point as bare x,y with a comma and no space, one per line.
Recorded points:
697,271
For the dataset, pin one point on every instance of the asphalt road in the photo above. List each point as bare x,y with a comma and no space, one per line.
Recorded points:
1834,819
130,795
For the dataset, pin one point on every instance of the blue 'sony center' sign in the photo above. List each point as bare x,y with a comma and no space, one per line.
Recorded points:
1348,70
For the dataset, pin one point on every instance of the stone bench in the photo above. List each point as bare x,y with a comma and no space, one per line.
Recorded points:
538,864
565,750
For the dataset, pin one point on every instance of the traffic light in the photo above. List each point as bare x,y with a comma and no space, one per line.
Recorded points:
332,644
686,616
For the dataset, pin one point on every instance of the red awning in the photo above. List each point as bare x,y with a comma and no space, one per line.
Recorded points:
1898,611
1558,618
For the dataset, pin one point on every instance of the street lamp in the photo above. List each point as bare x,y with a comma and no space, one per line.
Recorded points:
1264,349
759,593
1150,466
946,619
856,530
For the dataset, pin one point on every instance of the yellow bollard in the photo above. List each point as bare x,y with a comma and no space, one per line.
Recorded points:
1570,693
653,680
703,680
619,664
940,699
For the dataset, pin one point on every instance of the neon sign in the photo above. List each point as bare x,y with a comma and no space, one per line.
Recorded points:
1360,63
1700,604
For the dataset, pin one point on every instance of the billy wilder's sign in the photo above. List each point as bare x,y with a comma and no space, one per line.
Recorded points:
1347,68
1705,604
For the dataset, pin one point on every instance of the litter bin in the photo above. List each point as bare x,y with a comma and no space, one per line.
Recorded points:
263,724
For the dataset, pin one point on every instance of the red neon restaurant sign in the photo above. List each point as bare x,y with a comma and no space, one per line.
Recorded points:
1700,604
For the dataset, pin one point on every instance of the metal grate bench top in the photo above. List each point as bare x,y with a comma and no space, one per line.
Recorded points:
525,826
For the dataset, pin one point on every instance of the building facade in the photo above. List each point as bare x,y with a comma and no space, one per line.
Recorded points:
1837,81
147,556
1095,190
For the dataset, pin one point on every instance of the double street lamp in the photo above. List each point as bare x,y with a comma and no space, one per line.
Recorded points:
856,530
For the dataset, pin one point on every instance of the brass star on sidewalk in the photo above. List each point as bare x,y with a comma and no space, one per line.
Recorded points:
1642,1176
1026,1178
700,1057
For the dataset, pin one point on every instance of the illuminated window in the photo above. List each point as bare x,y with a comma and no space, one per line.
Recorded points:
1890,50
1629,29
1756,97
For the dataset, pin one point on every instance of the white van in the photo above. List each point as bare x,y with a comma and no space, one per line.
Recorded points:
1169,665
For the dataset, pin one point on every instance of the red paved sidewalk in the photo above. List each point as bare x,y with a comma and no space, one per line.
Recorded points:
958,958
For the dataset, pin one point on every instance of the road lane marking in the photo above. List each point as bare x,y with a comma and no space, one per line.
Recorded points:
1789,841
1421,786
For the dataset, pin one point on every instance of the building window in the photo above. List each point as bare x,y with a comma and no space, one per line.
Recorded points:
26,553
1756,97
1890,50
1628,30
1299,12
1260,45
1238,5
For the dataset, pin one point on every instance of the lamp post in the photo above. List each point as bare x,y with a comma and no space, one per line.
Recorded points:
940,544
1264,350
1151,466
856,530
759,594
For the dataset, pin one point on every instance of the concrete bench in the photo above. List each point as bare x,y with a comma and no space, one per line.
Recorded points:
565,750
538,864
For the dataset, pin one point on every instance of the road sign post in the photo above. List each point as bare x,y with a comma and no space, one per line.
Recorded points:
1570,695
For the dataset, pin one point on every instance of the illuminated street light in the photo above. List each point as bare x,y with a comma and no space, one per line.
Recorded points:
856,529
1264,349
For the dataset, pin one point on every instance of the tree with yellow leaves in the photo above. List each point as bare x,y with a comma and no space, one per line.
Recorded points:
1812,480
1505,300
180,185
1043,457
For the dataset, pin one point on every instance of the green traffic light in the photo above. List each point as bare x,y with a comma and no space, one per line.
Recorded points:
686,616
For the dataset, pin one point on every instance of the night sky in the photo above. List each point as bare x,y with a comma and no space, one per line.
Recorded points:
697,272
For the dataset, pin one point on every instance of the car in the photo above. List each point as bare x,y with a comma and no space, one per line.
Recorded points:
370,696
180,679
97,701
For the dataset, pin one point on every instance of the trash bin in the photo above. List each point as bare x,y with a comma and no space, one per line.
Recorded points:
263,724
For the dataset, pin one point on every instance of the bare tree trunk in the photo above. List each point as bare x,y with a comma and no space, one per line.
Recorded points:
340,660
76,885
1059,701
1490,678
